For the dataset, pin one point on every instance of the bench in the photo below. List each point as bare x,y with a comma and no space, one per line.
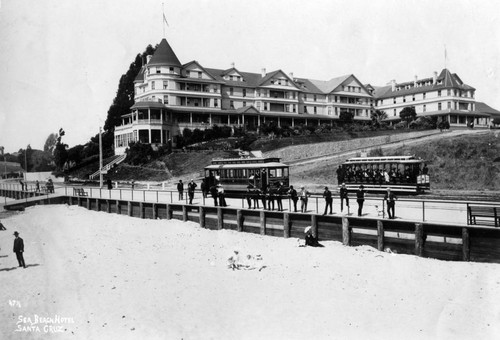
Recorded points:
484,215
79,192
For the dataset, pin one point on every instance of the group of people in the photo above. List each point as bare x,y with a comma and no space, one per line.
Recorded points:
49,185
352,173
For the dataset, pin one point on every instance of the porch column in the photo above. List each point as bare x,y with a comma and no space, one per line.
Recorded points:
243,120
149,116
228,119
293,122
279,121
258,119
149,131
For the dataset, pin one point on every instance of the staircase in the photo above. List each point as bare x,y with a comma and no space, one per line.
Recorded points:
108,166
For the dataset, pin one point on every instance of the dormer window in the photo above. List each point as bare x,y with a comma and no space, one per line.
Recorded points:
231,78
238,78
199,75
171,70
158,70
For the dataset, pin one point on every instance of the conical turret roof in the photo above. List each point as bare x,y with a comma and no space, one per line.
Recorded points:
164,55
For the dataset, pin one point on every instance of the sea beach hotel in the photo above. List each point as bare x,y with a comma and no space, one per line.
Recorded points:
171,96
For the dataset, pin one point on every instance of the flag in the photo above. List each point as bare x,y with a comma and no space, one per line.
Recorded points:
165,19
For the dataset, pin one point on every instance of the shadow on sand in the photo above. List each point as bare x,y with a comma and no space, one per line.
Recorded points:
12,268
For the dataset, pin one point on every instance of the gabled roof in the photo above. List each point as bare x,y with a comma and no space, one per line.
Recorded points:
247,109
164,55
270,75
448,80
249,79
329,85
201,67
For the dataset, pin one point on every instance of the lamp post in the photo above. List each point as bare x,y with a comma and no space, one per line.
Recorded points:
100,158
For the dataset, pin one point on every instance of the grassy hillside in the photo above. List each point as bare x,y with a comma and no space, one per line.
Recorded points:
461,163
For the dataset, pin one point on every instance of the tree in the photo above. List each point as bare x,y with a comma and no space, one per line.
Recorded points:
50,143
377,117
408,114
496,121
60,151
346,117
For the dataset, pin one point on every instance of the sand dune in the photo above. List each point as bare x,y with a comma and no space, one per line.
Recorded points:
93,275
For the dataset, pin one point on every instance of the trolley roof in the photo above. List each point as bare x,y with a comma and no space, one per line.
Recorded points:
246,166
384,159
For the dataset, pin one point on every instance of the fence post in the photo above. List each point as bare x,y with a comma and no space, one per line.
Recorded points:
314,225
317,205
346,232
239,220
419,239
202,217
184,213
220,220
423,211
108,207
380,236
118,208
262,222
129,212
465,244
286,224
88,203
169,212
97,204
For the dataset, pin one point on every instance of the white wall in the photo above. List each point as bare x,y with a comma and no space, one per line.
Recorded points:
42,177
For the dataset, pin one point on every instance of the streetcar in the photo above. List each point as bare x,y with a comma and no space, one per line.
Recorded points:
237,174
404,174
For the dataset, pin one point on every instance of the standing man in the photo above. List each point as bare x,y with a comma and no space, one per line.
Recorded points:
180,189
293,195
222,196
110,185
343,196
214,193
304,196
19,249
279,196
204,188
390,198
37,186
360,196
248,196
327,194
191,186
255,198
340,175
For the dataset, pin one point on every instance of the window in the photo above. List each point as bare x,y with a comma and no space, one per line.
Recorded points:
238,78
293,108
293,95
152,85
448,92
265,106
231,78
315,97
449,105
244,104
165,85
287,108
425,108
336,98
315,110
423,94
199,75
158,70
413,98
336,111
394,112
329,111
394,101
404,99
244,92
258,106
216,102
439,106
231,91
171,70
231,104
439,93
305,109
165,99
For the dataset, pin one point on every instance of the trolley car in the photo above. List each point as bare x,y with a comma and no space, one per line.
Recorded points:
405,174
236,174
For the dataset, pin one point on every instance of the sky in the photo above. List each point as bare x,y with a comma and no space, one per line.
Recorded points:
61,61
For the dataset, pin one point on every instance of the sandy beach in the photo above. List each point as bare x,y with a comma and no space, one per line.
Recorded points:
93,275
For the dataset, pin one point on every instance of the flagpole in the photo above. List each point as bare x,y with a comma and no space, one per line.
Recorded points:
163,18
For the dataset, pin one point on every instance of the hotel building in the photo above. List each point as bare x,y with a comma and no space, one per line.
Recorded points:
171,96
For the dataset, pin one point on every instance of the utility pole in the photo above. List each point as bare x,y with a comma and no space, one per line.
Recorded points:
4,162
100,158
26,164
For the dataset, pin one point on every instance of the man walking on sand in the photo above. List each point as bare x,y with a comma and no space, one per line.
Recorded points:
19,249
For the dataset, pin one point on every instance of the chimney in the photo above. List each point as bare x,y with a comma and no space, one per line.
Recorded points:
291,75
393,85
232,64
148,58
415,81
434,78
263,72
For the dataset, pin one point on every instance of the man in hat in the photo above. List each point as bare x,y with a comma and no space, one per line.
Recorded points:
327,194
360,196
180,189
191,186
19,249
293,195
343,196
390,198
221,195
304,196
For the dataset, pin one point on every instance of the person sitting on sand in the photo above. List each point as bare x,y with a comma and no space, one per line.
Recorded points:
310,239
234,260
